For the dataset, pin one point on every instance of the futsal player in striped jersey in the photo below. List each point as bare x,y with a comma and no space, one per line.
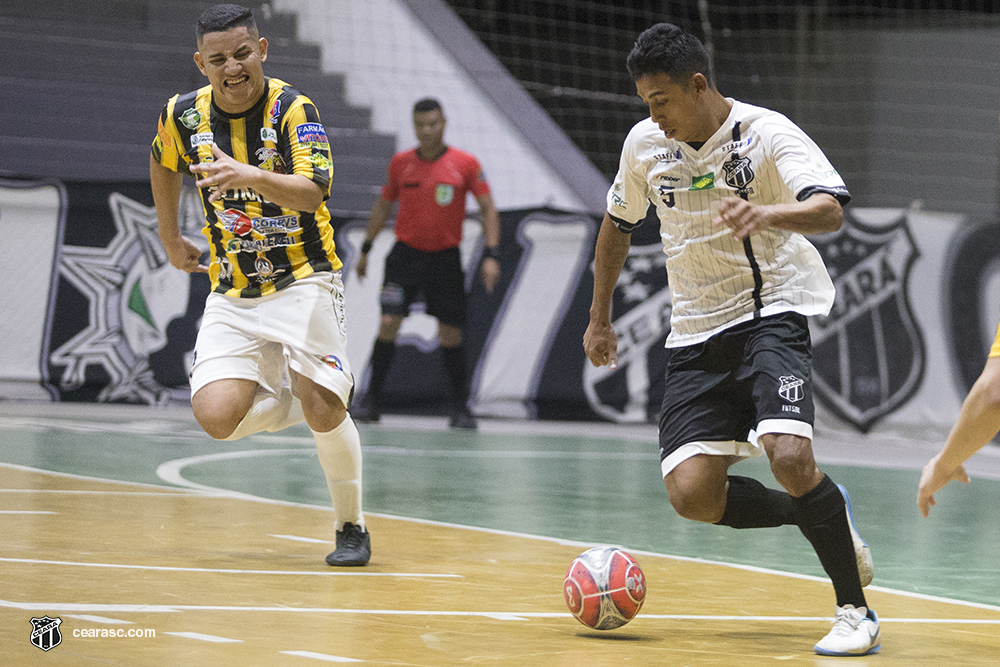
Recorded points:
736,189
261,160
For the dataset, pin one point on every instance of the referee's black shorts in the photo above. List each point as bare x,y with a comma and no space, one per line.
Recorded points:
754,377
436,278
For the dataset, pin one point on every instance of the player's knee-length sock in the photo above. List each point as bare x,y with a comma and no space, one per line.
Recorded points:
822,518
454,364
340,455
750,504
382,354
270,413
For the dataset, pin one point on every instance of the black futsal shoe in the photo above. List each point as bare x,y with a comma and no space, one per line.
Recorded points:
354,547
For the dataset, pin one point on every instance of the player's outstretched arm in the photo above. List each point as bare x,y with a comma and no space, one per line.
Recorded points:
599,340
181,251
977,423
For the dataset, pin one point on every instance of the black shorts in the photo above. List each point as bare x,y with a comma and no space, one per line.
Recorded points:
756,376
435,278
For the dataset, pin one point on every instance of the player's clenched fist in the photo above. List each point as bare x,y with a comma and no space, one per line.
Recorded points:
742,217
601,344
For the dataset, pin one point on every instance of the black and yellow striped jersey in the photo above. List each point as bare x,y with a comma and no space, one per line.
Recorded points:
257,247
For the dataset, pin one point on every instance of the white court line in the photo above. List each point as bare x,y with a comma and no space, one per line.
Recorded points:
171,472
501,616
179,493
542,538
27,512
296,538
320,656
205,638
89,478
164,568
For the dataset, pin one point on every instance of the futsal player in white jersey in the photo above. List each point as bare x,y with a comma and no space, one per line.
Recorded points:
736,187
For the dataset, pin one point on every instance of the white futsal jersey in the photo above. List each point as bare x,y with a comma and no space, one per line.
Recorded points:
717,281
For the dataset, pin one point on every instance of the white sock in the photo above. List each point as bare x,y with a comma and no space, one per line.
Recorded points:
270,413
340,455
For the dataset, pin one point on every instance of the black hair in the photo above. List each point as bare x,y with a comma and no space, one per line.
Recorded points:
426,104
666,48
220,18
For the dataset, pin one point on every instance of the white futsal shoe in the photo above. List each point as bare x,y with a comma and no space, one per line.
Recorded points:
855,632
866,565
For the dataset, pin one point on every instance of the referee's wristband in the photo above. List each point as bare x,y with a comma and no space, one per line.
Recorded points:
366,247
493,253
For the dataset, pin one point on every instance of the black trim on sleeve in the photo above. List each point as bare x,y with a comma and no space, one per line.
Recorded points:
841,194
625,225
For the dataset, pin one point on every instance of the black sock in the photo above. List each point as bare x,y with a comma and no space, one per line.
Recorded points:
822,518
382,353
454,365
750,504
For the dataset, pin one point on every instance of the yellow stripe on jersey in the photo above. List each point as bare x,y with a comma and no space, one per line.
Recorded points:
995,349
257,247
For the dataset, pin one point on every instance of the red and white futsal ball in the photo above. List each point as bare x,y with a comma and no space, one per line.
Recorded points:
604,588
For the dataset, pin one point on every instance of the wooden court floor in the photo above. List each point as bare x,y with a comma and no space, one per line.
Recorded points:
232,578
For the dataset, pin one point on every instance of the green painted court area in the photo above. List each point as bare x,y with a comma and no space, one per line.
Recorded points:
575,482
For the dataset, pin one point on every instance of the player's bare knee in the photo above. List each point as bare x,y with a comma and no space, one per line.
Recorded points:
794,469
696,504
219,428
696,508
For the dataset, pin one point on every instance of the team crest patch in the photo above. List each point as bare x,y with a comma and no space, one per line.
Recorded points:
444,194
790,388
868,353
738,173
45,632
191,119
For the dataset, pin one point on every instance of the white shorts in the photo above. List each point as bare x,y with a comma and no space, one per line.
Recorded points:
302,325
737,450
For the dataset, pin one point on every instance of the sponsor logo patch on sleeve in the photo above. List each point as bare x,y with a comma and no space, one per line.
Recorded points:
164,135
312,134
202,139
